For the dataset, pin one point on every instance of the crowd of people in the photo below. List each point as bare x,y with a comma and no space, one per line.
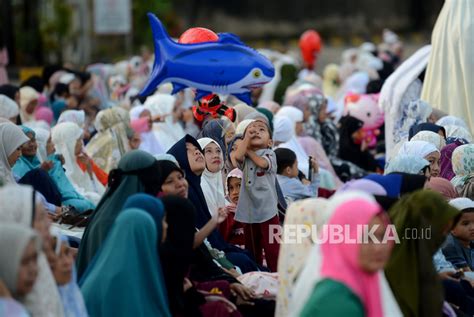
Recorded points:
114,204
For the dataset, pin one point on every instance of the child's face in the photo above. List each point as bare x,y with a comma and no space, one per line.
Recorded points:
464,229
434,158
62,268
259,135
30,147
135,141
213,156
293,171
234,189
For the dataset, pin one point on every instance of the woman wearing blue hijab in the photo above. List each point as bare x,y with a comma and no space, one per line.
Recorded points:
29,161
125,277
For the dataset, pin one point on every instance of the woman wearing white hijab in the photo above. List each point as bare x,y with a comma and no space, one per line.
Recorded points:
149,142
67,137
76,116
28,103
211,180
430,137
8,109
42,138
17,244
16,206
11,139
293,256
452,120
170,131
423,149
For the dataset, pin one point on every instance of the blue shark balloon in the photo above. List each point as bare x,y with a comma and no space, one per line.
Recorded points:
226,67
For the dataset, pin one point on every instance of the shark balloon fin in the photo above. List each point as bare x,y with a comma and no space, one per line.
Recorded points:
163,44
177,88
201,93
245,97
229,38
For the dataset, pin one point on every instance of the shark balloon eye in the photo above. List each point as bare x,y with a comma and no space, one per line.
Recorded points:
257,73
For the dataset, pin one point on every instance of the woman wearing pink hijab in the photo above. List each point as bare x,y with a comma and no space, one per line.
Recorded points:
350,272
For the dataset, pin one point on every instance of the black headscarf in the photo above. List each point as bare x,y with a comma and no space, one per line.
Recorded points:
350,151
425,127
35,82
9,91
166,168
177,250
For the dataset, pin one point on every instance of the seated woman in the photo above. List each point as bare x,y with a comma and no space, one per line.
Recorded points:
463,167
138,172
130,277
30,161
22,245
20,205
110,143
415,287
67,138
189,155
349,282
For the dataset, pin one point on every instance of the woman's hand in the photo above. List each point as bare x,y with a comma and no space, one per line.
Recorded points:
84,159
46,165
232,272
187,284
245,293
220,215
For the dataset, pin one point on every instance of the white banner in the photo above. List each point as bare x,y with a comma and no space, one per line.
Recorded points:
112,17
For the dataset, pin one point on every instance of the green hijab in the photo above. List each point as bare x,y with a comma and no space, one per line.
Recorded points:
125,278
137,172
410,271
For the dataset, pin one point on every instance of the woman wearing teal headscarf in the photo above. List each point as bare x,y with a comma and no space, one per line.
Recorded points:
30,161
137,172
127,280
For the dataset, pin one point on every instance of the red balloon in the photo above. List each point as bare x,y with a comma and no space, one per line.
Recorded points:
310,46
197,35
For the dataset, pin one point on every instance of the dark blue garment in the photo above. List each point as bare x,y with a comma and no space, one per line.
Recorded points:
391,183
40,180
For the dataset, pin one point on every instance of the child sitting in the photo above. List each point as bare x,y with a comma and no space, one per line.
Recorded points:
293,188
232,230
458,247
257,207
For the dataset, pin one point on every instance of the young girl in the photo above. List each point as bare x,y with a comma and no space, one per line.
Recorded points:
232,230
258,200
